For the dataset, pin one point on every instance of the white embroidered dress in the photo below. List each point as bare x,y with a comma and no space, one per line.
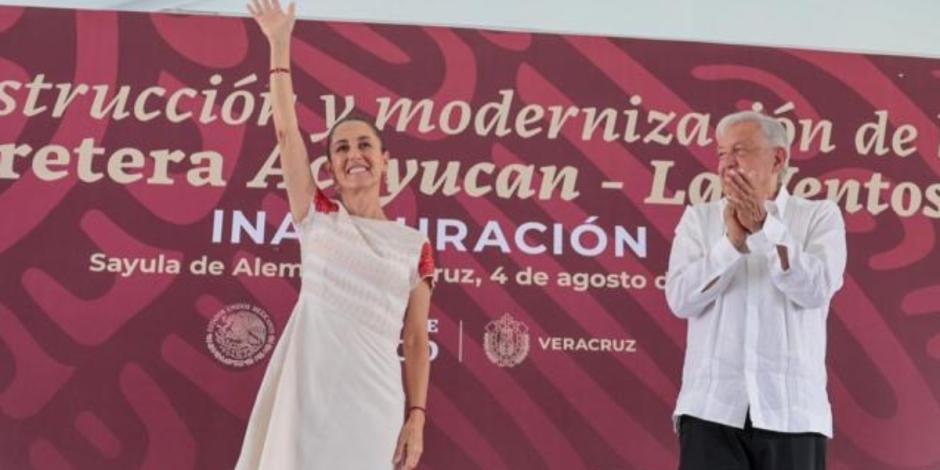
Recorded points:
332,396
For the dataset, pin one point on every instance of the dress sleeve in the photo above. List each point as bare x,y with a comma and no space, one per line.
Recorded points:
426,268
323,204
320,203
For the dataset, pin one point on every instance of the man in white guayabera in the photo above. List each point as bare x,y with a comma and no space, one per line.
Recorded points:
754,274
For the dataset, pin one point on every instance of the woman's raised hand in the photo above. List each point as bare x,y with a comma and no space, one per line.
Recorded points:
275,22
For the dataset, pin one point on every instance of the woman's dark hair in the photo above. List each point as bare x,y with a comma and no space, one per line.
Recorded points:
354,117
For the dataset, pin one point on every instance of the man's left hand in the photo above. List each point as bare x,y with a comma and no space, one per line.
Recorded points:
747,201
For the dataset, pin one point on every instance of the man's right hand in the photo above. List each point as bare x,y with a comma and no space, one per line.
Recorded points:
735,232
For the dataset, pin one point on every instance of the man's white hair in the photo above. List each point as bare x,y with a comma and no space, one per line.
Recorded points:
772,130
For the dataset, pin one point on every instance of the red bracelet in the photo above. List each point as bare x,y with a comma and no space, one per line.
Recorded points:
412,408
279,70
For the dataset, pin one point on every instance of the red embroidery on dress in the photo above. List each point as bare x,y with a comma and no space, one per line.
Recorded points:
426,264
323,204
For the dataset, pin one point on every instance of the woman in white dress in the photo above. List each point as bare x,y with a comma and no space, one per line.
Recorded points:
332,395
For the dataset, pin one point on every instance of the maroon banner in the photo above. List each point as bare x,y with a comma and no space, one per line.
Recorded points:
148,264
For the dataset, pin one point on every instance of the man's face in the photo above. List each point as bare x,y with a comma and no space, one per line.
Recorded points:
743,148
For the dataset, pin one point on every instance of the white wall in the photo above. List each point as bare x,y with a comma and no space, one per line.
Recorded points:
907,27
